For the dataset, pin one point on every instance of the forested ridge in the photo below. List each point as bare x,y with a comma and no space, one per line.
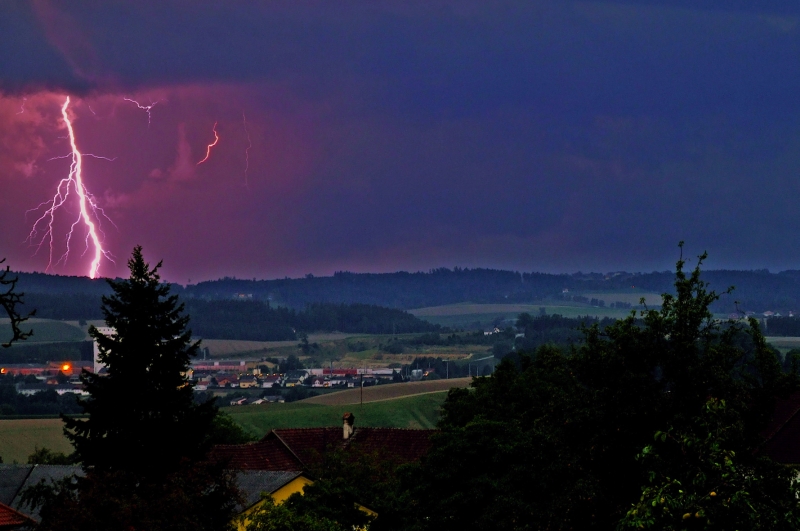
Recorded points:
757,290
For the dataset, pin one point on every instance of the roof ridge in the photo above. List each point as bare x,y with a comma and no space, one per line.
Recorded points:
777,430
22,484
289,448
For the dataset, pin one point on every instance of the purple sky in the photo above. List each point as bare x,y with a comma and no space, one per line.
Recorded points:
528,135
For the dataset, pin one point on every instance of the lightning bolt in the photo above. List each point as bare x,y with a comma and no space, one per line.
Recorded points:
145,108
73,181
214,143
247,150
22,107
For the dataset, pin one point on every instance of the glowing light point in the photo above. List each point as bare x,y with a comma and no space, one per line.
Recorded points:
208,149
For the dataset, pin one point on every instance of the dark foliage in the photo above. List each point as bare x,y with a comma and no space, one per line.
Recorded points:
550,441
10,299
46,352
47,402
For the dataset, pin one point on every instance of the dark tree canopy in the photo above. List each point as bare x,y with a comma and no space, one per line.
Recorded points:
141,416
565,440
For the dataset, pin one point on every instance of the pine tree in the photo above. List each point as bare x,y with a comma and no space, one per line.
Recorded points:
141,414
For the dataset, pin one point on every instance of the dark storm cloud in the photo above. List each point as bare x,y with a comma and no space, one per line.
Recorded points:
535,134
438,57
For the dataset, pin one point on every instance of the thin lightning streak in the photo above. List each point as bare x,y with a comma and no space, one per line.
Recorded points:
208,149
73,181
246,151
145,108
22,107
85,155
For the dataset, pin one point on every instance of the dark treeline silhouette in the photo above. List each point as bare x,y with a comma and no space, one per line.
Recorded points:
757,290
258,321
46,352
783,326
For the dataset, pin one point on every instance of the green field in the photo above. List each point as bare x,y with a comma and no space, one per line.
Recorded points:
45,331
19,438
420,411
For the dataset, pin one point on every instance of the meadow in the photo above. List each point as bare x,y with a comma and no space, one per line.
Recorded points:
416,412
45,330
20,437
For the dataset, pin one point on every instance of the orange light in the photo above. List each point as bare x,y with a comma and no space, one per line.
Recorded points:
3,370
66,367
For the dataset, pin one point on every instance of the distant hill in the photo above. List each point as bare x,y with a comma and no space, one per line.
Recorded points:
756,291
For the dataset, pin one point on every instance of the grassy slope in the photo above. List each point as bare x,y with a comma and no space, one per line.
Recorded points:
44,331
19,438
420,411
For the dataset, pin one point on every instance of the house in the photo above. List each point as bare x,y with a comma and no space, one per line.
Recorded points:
239,401
292,378
11,519
253,484
271,380
783,433
16,478
278,485
298,449
247,381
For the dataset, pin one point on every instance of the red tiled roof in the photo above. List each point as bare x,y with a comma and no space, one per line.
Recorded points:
782,437
266,454
299,448
11,519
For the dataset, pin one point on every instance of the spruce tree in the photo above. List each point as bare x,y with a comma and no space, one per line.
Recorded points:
141,415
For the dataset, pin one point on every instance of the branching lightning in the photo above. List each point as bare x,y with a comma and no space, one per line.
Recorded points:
72,182
145,108
214,143
247,150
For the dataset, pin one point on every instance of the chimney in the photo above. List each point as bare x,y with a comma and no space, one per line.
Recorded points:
348,428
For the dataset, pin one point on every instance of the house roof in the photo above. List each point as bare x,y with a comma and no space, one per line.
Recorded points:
299,448
782,436
11,519
266,454
252,483
14,479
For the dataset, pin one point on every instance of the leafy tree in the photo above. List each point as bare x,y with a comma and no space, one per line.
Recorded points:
551,439
45,456
271,517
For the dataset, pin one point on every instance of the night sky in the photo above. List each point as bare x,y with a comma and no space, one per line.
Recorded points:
380,136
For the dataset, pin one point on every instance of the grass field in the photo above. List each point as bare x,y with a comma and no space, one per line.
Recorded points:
379,393
421,411
45,330
223,348
19,438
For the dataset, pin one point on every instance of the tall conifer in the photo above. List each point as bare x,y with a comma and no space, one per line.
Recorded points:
141,415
